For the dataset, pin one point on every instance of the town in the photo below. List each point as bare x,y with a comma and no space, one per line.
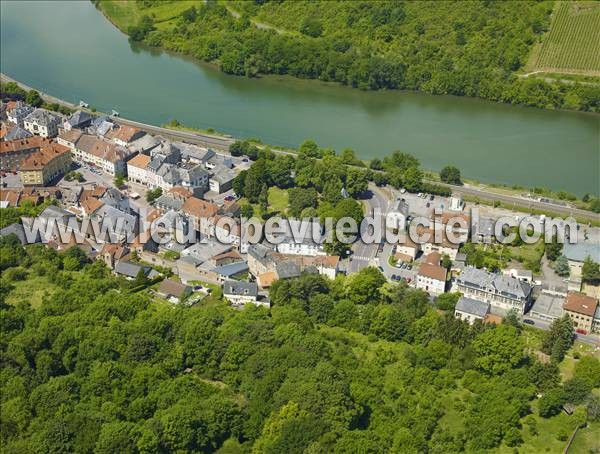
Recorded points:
91,166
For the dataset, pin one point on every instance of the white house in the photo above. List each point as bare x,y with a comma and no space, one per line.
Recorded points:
137,169
302,238
102,154
431,278
397,217
241,293
18,113
42,123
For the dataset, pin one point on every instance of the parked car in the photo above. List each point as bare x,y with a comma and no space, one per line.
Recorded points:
580,331
528,322
431,197
381,269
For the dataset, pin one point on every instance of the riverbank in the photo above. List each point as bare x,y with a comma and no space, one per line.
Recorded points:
470,191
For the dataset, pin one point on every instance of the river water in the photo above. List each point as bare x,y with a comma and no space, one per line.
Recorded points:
70,50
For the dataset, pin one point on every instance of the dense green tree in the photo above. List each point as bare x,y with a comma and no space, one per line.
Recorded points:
561,266
310,149
498,350
590,272
451,175
33,98
551,402
588,369
364,287
553,249
300,198
559,338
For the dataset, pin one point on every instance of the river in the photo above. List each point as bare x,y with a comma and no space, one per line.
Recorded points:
71,51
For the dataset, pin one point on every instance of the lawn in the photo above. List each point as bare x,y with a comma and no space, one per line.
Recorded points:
587,439
278,200
31,290
123,13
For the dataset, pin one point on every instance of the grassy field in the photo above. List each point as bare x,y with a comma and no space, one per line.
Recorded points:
31,290
278,200
124,13
573,43
587,439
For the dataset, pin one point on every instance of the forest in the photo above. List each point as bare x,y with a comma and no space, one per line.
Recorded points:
474,48
351,365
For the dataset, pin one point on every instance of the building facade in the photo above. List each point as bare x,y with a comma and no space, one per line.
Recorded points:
503,292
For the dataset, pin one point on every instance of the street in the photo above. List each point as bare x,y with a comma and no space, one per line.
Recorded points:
363,254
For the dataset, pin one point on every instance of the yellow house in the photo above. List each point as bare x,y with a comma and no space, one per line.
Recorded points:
38,169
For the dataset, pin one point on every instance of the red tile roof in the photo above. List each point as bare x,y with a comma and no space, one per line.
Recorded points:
44,156
433,271
581,304
199,208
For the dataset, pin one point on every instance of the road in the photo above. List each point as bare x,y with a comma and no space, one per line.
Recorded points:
520,202
545,326
363,254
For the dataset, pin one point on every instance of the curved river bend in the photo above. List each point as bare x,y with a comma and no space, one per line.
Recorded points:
70,50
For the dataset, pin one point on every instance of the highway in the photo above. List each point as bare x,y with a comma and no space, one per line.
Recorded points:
519,202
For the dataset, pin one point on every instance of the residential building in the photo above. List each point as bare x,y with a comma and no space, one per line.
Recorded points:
195,153
406,249
445,247
221,180
123,135
397,217
326,265
576,255
582,310
301,238
40,168
520,274
548,306
241,293
17,133
431,278
69,138
42,123
18,113
13,152
173,199
107,156
173,290
483,231
503,292
78,120
137,168
469,310
230,271
120,226
199,212
101,126
112,253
